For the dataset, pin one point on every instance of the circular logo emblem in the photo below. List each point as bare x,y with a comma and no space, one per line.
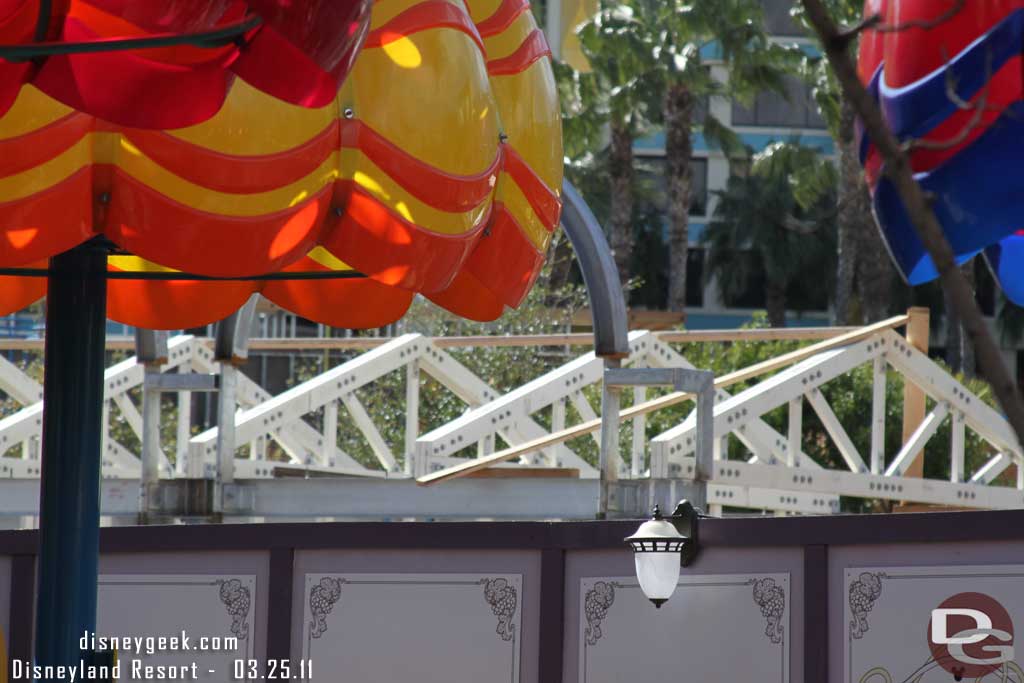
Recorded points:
970,635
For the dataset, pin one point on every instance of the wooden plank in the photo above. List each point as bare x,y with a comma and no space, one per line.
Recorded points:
586,411
927,507
567,339
637,319
665,401
751,335
913,397
526,473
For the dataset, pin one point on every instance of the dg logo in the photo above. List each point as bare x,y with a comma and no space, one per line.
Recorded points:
970,635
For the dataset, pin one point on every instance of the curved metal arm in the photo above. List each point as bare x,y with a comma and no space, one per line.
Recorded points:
232,337
208,39
604,290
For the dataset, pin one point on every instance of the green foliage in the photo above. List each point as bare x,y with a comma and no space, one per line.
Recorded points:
640,52
584,113
637,49
816,70
782,214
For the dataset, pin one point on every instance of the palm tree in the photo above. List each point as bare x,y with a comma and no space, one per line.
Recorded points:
776,222
864,270
653,54
619,92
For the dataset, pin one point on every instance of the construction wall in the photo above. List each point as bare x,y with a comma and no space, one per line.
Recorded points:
839,598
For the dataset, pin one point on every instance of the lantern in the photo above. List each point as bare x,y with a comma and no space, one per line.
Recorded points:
661,547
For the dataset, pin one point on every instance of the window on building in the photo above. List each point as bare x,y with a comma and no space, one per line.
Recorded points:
699,187
695,277
777,19
794,109
650,254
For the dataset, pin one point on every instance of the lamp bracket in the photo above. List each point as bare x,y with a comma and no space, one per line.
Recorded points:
685,519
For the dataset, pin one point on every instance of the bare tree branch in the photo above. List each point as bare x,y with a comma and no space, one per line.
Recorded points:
919,210
979,107
875,22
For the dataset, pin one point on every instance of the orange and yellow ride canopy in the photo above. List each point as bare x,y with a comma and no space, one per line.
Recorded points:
414,145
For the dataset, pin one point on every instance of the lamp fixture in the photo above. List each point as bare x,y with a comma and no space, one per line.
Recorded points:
663,545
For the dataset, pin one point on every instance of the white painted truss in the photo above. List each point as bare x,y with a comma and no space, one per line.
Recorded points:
670,450
774,475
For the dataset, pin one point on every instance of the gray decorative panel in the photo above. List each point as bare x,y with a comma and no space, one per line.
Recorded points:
716,627
381,628
888,631
214,613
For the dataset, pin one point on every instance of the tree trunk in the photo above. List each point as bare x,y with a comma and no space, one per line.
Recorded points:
959,350
875,272
849,215
678,112
953,348
775,303
620,171
864,267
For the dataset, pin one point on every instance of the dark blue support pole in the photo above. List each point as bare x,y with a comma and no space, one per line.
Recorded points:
69,506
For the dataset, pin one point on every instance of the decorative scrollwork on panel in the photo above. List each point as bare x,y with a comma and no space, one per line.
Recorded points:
322,599
771,598
863,594
1010,672
877,673
237,599
595,606
503,599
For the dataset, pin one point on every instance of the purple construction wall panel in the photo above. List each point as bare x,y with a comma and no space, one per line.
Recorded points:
5,602
743,604
787,599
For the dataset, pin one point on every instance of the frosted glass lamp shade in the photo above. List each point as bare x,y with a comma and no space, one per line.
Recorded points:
658,573
657,548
